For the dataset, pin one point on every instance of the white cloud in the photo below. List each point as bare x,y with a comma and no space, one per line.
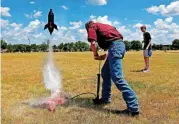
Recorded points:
162,31
27,15
161,25
123,29
138,25
166,10
165,30
64,36
35,14
32,2
17,33
164,25
62,28
128,34
39,35
16,26
33,25
32,31
5,11
101,19
153,9
82,34
169,20
81,30
64,7
76,25
115,23
97,2
4,23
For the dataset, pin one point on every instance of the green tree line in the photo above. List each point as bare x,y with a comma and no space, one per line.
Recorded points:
79,46
63,47
137,45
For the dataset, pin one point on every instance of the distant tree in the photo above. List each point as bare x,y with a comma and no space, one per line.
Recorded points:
60,47
54,47
28,48
165,49
175,44
160,47
65,47
128,45
78,45
68,47
15,48
75,47
170,47
34,48
157,47
136,45
85,46
71,47
3,44
43,47
10,48
154,47
20,48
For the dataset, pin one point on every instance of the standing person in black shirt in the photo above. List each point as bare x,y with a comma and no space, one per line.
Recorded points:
147,48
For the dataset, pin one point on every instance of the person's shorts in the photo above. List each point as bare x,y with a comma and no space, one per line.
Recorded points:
147,53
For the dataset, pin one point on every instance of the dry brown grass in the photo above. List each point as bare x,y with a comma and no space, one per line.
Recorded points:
158,91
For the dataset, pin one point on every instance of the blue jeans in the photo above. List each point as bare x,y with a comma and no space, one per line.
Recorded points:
112,69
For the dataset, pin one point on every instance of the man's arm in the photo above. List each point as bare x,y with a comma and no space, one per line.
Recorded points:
92,37
94,48
150,42
95,52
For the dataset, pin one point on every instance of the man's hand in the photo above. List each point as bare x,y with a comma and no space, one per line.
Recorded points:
97,57
102,57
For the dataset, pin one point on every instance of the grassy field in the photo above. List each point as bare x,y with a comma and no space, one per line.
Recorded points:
158,91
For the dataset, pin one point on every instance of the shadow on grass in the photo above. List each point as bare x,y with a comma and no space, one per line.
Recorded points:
137,70
87,103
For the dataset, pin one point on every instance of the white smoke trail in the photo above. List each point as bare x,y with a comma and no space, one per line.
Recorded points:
51,75
53,82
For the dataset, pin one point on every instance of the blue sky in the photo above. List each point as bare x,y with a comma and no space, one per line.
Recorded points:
23,19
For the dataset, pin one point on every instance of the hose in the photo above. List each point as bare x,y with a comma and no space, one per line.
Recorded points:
88,92
82,94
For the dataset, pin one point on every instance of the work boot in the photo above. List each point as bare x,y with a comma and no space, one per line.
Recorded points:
128,113
100,101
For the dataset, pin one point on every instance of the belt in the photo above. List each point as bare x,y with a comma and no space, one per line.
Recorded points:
114,40
118,40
